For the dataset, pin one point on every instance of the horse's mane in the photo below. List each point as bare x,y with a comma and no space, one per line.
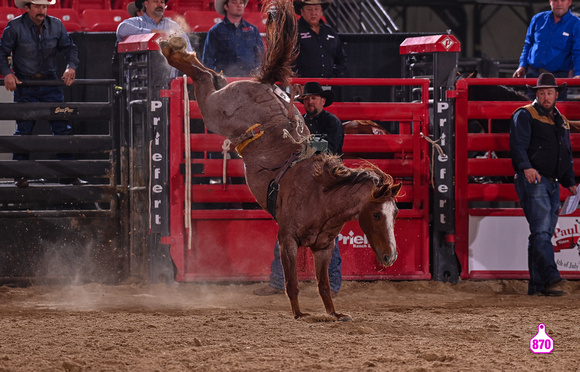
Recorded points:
331,173
281,38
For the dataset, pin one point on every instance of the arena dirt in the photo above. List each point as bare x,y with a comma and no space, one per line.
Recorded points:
397,326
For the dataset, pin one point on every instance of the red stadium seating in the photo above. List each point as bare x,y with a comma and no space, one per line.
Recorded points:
81,5
183,6
8,13
69,17
102,19
253,6
200,21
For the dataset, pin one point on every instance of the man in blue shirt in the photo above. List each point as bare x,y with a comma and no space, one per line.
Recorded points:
33,40
153,21
552,45
233,46
321,54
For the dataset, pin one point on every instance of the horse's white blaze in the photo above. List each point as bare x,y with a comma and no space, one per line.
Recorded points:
389,211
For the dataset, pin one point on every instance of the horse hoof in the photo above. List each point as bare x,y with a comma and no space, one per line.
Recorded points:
301,316
343,317
177,43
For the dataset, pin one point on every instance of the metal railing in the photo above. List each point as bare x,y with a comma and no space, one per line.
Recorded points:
360,17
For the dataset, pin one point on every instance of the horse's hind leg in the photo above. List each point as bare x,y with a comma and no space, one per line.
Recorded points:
288,253
176,55
321,262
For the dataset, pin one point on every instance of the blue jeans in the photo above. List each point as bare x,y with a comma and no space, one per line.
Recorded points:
25,127
540,203
334,269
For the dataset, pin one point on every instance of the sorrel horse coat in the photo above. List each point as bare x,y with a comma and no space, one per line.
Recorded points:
317,194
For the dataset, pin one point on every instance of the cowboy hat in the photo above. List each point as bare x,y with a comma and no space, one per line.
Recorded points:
547,80
21,3
219,6
132,8
315,89
298,4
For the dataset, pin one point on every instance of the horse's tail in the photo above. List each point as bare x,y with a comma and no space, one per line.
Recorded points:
281,37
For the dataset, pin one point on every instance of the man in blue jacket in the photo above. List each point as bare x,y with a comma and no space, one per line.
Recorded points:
542,159
33,40
552,45
233,46
321,54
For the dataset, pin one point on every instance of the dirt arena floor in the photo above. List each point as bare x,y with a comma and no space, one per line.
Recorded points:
397,326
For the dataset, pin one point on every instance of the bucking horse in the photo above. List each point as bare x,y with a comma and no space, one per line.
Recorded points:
311,195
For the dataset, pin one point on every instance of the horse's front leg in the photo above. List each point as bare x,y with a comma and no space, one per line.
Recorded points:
288,253
321,262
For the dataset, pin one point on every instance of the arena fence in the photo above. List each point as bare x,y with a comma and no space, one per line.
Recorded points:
56,231
492,233
218,232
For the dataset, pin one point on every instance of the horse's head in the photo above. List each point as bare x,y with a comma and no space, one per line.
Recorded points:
377,221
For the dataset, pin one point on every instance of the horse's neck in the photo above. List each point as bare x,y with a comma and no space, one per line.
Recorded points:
353,199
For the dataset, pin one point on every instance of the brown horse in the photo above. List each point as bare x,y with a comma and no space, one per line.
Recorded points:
363,127
317,194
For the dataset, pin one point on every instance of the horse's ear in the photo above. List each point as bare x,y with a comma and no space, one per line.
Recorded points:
396,189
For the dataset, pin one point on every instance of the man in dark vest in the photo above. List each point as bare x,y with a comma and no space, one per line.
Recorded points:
542,159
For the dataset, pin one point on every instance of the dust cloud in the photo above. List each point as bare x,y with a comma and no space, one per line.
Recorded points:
397,326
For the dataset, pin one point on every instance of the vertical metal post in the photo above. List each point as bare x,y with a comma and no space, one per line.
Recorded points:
144,73
436,57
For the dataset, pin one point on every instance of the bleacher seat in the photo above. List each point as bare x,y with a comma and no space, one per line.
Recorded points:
102,19
257,19
8,13
171,13
201,21
253,6
69,17
81,5
183,6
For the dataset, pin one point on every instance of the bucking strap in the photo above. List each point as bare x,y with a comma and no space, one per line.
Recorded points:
272,198
274,185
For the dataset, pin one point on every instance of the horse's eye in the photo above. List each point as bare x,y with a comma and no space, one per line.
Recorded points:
377,216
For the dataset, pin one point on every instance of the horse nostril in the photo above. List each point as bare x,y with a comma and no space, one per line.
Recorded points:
389,259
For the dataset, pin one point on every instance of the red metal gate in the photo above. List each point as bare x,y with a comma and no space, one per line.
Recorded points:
232,239
491,232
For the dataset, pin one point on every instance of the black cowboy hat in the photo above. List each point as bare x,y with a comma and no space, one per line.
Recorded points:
315,89
547,80
298,4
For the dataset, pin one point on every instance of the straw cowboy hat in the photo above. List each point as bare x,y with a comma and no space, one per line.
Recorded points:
547,80
219,6
21,3
315,89
298,4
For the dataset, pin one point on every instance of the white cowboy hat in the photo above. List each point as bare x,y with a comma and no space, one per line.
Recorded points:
219,6
21,3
